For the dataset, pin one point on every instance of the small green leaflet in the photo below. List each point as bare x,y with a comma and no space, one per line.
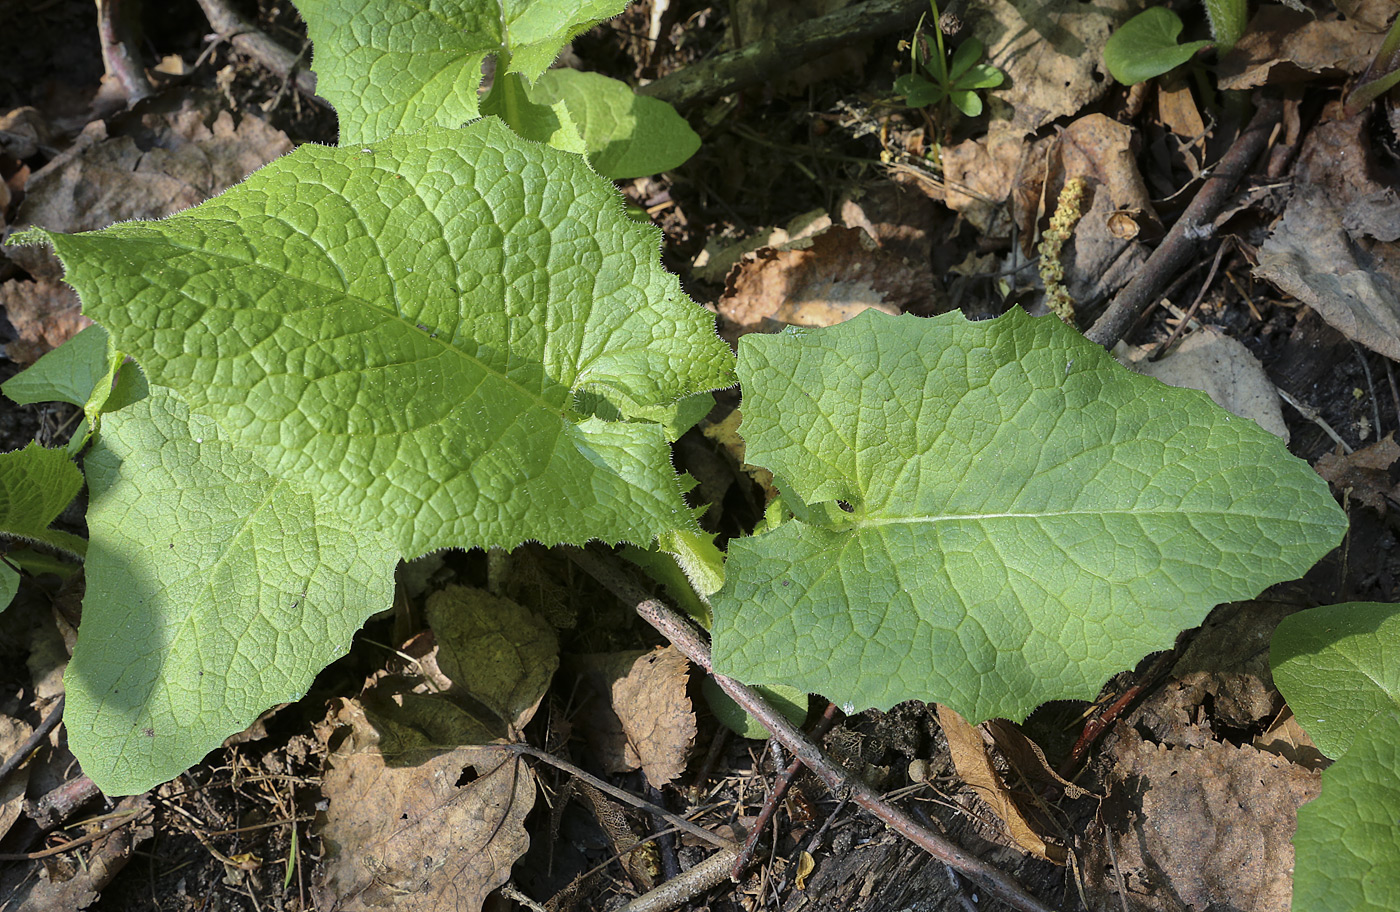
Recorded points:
394,66
1026,516
36,483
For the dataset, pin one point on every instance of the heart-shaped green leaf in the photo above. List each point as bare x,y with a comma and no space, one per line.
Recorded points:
1145,46
1020,518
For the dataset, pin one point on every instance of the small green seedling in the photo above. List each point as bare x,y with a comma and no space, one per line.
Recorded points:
957,81
1146,46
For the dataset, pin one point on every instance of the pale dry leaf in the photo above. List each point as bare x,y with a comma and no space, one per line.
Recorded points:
645,718
820,281
416,822
969,752
1282,45
1051,52
1335,249
1098,150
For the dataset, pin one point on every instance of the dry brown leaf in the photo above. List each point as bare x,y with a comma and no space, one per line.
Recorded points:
413,821
44,313
1199,828
1288,739
1335,248
1098,150
178,162
13,734
644,718
1051,53
819,281
1026,757
1225,370
1365,473
1287,45
493,650
969,752
979,174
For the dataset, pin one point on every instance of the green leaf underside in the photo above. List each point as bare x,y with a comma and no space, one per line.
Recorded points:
1028,517
213,592
394,66
36,483
627,135
1347,847
1338,666
400,331
1146,46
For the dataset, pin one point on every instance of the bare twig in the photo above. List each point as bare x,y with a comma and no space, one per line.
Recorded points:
685,638
119,32
258,45
757,62
675,820
50,722
1179,246
1315,417
677,891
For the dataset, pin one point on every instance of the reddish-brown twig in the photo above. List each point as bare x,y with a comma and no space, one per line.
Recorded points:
777,793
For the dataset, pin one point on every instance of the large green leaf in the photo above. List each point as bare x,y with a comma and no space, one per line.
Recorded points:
36,483
392,66
1338,666
1025,516
401,332
1347,848
213,592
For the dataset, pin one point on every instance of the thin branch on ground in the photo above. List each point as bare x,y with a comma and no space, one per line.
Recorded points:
1178,248
685,638
119,33
260,46
762,60
675,820
32,743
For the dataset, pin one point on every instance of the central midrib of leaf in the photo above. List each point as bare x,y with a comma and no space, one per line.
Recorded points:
876,522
